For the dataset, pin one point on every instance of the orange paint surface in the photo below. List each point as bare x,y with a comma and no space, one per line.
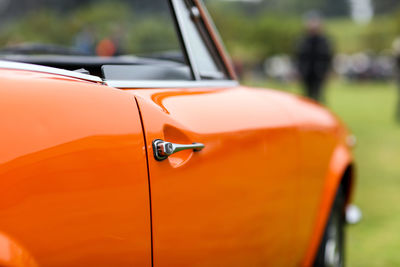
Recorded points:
252,196
79,185
74,182
73,175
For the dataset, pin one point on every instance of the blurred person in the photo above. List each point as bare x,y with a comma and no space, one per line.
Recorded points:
314,57
113,45
106,48
85,41
396,50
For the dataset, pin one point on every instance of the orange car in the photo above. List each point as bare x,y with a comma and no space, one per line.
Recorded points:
127,141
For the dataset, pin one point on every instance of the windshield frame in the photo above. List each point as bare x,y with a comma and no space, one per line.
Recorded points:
211,40
219,56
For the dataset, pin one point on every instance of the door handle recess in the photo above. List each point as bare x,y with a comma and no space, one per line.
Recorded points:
162,150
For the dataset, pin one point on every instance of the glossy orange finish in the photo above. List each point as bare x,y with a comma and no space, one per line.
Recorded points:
73,175
79,185
325,157
339,161
74,178
252,196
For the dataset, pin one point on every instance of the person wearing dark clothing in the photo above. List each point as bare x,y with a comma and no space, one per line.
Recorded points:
314,58
396,52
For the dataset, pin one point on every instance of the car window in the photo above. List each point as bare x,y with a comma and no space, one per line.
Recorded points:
116,39
205,56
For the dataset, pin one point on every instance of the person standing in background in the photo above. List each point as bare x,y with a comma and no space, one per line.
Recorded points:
314,57
85,40
396,53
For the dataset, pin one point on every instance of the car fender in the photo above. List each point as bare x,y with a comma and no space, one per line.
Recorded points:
340,163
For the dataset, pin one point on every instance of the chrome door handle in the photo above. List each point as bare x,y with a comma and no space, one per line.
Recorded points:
163,150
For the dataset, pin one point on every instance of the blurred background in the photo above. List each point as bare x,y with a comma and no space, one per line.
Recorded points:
266,40
262,37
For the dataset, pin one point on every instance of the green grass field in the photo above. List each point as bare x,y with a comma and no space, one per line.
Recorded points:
369,111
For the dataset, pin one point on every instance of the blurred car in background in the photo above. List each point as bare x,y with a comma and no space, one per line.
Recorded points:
126,140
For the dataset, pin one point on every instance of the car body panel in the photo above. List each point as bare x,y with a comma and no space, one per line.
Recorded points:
340,161
242,195
276,147
287,136
325,156
74,184
79,184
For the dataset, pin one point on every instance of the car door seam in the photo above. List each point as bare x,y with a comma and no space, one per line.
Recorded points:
148,178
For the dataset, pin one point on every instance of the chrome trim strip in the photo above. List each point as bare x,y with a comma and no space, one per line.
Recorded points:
38,68
218,37
171,84
162,149
186,41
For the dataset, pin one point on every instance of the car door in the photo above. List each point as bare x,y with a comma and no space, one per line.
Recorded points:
233,202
